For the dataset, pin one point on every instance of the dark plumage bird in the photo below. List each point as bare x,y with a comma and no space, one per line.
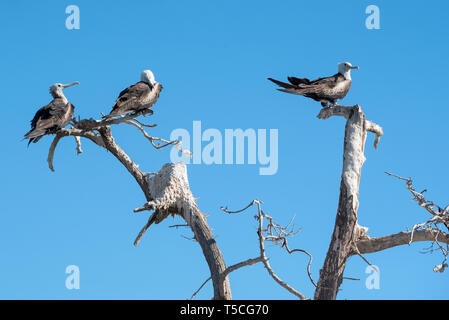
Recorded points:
139,96
52,117
325,90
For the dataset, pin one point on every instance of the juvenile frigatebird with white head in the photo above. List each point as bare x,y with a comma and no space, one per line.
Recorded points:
52,117
326,90
138,97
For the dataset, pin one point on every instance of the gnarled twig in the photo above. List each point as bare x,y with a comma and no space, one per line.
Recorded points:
277,234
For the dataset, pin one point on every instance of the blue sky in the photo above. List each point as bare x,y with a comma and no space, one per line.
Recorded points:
213,59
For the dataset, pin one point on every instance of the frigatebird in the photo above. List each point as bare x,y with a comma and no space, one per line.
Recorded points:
325,90
52,117
140,96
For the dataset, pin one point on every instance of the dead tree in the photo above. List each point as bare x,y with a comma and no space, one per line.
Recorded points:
167,192
348,237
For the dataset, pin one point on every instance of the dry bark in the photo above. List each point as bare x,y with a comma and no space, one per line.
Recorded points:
346,230
331,275
348,237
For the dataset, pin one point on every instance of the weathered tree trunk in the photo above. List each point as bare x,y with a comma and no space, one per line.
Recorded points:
345,229
170,194
133,169
214,258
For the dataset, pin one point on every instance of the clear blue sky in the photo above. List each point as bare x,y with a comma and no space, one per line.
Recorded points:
213,58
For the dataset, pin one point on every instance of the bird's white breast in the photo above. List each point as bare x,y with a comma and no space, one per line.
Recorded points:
341,87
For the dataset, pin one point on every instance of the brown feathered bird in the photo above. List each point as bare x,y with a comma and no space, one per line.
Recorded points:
52,117
325,90
139,96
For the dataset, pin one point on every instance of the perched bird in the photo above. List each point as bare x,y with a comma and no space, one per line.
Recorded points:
326,90
52,117
140,96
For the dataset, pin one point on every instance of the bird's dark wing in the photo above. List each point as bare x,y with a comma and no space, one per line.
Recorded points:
42,113
131,98
302,83
297,81
283,84
327,81
321,89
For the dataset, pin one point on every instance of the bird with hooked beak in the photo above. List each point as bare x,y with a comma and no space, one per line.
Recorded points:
325,90
52,117
138,97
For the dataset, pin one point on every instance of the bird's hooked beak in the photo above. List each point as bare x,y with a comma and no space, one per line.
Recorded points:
70,84
355,67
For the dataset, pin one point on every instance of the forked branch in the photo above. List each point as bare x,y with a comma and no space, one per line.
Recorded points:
278,235
90,128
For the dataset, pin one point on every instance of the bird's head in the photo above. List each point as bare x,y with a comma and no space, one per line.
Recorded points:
345,69
148,77
56,89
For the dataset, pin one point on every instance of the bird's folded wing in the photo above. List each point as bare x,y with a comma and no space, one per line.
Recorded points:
297,81
130,95
327,81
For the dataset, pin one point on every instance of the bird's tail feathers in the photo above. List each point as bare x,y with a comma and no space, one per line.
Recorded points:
31,140
282,84
34,134
34,140
111,114
292,91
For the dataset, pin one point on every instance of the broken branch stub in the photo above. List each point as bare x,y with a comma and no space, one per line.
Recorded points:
170,193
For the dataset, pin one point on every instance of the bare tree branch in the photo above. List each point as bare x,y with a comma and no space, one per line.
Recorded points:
199,289
152,140
439,214
267,264
285,244
336,110
382,243
375,128
122,156
51,151
71,132
225,209
144,229
230,269
145,125
278,235
79,150
239,265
